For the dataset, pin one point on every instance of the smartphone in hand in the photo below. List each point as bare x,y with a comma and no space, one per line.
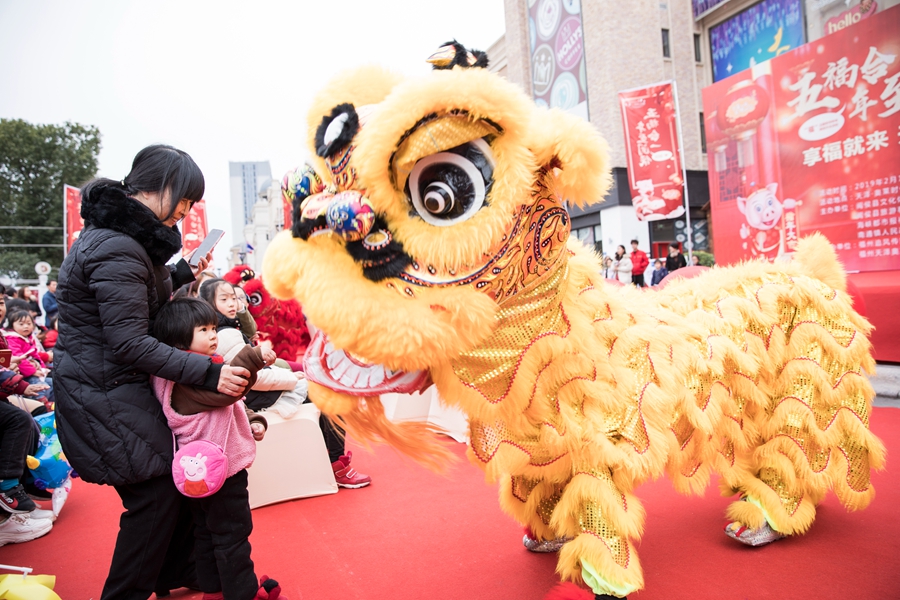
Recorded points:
206,246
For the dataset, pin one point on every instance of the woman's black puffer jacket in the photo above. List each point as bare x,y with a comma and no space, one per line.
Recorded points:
111,285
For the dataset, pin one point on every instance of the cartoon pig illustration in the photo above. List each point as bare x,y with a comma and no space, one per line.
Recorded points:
194,474
763,233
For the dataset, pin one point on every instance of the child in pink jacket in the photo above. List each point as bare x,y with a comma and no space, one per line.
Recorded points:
223,522
22,341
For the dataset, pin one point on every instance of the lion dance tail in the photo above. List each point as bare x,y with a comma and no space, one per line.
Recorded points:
364,419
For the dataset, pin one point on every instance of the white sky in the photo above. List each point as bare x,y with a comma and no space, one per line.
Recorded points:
223,80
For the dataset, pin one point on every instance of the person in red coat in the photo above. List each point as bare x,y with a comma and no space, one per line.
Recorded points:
639,262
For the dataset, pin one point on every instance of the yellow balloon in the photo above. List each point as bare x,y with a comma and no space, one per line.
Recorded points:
31,587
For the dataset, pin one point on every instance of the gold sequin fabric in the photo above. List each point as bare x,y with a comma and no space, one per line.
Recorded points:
712,386
592,521
790,499
434,134
524,319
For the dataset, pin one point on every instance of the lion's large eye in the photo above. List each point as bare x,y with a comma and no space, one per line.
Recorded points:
450,186
254,299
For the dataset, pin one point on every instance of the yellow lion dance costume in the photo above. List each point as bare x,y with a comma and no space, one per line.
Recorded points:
434,244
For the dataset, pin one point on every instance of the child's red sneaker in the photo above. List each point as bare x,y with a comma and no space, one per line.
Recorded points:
268,590
346,476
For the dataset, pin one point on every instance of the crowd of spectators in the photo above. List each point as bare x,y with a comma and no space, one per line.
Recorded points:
631,267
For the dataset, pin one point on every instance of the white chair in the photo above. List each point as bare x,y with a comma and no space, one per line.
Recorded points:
291,460
427,406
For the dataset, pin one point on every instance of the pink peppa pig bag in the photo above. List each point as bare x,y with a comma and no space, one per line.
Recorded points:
199,468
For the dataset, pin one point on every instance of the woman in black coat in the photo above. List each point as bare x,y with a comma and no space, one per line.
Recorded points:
112,428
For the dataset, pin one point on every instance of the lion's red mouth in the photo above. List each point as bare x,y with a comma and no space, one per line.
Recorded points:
337,370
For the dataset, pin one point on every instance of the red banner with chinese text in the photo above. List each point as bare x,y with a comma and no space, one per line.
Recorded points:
808,141
651,145
193,228
73,221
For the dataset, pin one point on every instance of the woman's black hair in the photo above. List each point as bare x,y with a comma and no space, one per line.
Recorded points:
156,169
17,315
208,291
176,320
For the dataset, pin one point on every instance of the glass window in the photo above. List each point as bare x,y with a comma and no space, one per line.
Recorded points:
667,52
698,55
702,134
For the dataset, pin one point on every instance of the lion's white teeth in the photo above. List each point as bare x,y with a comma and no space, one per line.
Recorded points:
341,367
333,358
350,376
329,348
389,373
362,382
376,375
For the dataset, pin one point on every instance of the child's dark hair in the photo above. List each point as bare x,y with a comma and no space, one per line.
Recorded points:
17,315
209,288
176,320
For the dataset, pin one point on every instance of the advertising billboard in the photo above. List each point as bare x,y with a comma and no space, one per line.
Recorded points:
704,7
763,31
810,141
558,72
824,17
651,145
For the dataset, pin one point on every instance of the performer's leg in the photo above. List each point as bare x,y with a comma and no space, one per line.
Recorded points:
602,519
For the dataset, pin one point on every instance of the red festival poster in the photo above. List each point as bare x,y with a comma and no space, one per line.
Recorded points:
810,141
651,144
193,228
74,222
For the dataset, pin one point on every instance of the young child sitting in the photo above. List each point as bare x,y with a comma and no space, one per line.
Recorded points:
23,342
276,388
659,272
223,521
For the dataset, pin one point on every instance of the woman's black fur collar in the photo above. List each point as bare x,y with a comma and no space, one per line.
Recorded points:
109,207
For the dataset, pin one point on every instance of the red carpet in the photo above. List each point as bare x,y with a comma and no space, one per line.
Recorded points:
414,535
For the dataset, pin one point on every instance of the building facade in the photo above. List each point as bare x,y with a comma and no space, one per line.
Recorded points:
266,220
246,180
625,45
638,43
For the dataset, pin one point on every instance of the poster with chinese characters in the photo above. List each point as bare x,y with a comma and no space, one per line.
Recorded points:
558,73
651,146
72,214
810,141
193,228
762,31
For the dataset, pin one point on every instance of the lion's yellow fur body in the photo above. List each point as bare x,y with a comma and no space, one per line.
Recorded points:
577,391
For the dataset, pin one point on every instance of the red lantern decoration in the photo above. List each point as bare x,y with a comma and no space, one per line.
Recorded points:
742,109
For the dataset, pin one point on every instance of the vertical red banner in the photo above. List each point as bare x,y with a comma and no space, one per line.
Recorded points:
72,214
651,144
193,228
